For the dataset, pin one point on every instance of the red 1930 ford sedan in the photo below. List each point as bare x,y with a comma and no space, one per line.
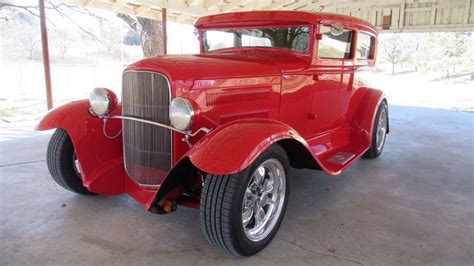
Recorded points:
218,130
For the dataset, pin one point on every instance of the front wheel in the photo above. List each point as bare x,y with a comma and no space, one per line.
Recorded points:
63,163
240,213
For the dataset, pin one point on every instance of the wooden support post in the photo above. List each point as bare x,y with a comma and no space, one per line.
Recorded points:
401,22
467,9
433,14
165,37
44,45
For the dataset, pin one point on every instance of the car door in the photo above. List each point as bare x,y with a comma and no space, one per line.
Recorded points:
333,76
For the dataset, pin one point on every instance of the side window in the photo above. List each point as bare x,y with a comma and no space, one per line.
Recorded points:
335,43
365,46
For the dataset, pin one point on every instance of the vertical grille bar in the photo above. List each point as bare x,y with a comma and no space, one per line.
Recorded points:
147,148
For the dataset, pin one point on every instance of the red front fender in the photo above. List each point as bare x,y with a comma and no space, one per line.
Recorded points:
234,146
100,157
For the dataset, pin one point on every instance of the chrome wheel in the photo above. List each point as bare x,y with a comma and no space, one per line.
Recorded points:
263,200
381,129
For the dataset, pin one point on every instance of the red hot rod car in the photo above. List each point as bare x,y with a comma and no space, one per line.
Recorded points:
219,130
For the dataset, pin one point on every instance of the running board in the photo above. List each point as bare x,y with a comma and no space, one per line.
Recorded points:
341,158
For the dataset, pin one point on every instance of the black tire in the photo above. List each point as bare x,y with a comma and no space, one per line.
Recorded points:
60,162
222,203
373,151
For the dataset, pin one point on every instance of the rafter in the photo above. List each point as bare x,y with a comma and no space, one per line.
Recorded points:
142,9
405,14
118,5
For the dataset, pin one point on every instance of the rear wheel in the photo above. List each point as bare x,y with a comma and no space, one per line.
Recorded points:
379,132
240,213
63,163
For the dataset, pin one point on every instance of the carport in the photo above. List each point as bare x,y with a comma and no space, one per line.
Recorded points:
411,206
387,16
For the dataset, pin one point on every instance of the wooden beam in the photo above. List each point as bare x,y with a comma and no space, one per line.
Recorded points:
365,4
401,22
195,2
126,10
229,6
261,4
278,4
296,5
181,18
142,9
211,4
433,14
183,8
118,5
45,48
173,5
467,11
395,17
418,9
436,28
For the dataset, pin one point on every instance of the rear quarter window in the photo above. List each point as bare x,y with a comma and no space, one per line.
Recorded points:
365,46
335,46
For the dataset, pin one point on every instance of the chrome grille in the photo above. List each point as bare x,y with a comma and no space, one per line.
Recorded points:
147,148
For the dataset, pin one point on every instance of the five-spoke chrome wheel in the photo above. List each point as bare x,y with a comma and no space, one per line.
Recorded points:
263,200
241,212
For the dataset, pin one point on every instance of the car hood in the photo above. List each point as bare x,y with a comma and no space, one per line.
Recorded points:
217,66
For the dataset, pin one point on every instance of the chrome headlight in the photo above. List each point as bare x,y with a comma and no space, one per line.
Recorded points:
181,114
100,101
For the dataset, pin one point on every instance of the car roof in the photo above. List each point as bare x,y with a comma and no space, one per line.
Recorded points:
279,17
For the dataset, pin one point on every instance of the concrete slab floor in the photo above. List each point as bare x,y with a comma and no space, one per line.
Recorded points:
412,206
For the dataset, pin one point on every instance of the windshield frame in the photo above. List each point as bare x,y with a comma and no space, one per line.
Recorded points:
246,48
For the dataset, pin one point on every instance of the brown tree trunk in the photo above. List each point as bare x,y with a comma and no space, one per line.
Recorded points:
151,37
393,67
150,33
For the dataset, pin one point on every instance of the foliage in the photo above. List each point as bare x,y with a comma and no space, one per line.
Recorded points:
131,38
395,48
72,30
149,31
448,52
63,40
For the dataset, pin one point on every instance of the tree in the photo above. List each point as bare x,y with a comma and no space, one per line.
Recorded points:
28,40
131,38
415,43
149,31
448,52
63,41
395,49
109,37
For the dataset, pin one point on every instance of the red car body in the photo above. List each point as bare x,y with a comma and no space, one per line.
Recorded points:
316,108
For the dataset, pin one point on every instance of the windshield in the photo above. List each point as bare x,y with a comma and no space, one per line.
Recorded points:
288,38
